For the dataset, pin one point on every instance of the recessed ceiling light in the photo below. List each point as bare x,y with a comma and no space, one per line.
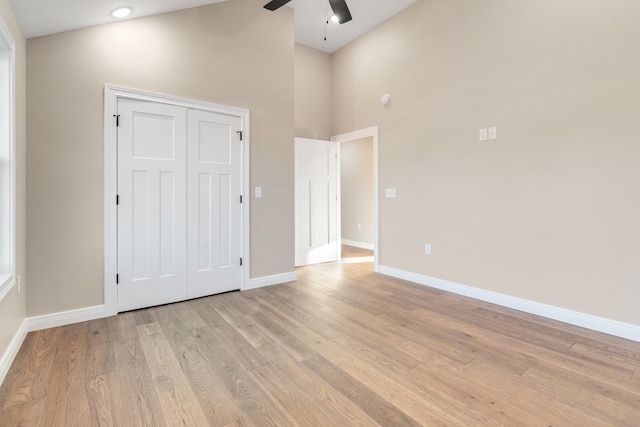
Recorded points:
121,12
335,19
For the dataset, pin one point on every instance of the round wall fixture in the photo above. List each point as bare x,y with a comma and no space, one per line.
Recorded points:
386,99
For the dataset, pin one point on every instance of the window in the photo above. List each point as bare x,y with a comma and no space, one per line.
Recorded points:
7,161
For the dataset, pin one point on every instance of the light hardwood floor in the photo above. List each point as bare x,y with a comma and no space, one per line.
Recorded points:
353,252
341,346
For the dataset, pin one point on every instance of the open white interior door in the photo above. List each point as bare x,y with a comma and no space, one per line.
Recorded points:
316,203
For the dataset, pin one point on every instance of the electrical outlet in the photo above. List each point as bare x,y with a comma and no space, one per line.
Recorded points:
493,133
482,134
427,249
19,284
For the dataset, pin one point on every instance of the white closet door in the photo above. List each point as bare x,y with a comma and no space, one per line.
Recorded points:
214,208
316,201
152,243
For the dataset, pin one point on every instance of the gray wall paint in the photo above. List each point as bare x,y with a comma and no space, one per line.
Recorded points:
234,53
13,306
549,212
356,190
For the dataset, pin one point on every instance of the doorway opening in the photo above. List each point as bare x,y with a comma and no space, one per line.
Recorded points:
356,200
316,230
358,209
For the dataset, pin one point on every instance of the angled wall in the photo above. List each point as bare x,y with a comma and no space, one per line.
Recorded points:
234,53
549,211
12,307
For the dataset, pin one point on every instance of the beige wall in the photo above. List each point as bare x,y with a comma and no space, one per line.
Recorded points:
312,93
12,307
234,53
550,211
356,190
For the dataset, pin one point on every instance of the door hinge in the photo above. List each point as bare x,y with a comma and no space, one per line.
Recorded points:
117,279
117,116
240,262
240,198
240,133
117,199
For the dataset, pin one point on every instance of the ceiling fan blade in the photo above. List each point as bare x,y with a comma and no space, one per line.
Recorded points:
341,10
276,4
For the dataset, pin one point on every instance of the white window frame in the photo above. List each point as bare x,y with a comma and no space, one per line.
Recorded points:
7,157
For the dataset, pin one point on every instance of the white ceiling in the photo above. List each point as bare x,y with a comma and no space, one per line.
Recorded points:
39,18
310,21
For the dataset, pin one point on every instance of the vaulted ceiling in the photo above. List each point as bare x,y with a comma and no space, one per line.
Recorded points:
39,18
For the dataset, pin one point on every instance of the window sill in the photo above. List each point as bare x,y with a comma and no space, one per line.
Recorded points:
7,282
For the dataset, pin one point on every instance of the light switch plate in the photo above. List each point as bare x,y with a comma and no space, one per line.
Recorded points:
493,133
390,193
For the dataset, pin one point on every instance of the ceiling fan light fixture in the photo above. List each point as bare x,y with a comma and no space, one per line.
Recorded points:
121,12
341,10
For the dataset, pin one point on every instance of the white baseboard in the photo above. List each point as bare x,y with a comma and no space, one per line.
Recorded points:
260,282
361,245
600,324
63,318
11,352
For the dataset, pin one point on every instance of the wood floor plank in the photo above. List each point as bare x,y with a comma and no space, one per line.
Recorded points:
102,404
498,346
243,351
624,358
206,311
100,356
250,397
245,326
376,407
295,400
69,405
382,353
346,319
26,414
478,402
296,348
346,315
618,409
29,377
523,393
218,405
327,398
179,405
341,345
339,353
241,422
122,327
136,398
384,383
326,328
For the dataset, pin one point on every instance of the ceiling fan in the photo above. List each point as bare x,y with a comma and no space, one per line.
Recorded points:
339,7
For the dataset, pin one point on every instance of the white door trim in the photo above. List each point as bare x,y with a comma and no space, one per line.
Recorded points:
371,132
111,96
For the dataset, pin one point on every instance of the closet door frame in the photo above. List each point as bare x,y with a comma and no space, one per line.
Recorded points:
111,96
